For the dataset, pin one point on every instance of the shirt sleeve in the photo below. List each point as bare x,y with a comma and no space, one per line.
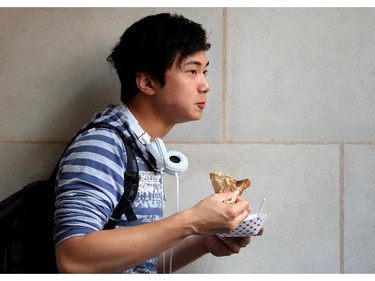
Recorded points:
89,183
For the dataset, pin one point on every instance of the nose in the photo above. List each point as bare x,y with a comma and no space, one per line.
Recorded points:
204,86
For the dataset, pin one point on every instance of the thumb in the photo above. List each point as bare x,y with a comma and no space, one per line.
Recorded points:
229,196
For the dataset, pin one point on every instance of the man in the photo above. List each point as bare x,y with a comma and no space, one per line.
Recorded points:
162,67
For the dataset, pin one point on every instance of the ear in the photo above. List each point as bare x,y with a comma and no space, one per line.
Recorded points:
145,83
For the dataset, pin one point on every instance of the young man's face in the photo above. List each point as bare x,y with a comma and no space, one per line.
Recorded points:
183,97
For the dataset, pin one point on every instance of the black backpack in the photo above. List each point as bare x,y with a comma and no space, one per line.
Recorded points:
26,218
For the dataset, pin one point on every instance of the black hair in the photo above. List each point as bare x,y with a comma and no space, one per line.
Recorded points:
152,45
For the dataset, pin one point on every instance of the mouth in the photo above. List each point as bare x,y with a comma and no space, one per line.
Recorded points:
201,105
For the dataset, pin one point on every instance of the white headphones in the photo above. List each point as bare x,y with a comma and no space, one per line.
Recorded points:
172,162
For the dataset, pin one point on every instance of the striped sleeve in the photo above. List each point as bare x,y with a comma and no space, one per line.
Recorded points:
89,183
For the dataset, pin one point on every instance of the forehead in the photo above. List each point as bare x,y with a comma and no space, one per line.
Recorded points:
198,59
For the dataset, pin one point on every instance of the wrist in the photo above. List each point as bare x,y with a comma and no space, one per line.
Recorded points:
201,242
189,222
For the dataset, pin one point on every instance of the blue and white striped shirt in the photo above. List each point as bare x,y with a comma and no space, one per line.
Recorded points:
90,183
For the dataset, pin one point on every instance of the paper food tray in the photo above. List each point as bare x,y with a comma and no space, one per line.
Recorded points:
249,227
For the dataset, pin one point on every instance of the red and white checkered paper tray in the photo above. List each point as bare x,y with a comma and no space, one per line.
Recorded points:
249,227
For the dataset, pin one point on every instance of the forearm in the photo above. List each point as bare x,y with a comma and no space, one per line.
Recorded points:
119,249
184,253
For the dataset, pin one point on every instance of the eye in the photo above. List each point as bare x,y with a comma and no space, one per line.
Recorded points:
205,72
192,71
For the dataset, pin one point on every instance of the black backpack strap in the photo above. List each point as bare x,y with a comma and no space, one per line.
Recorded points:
131,177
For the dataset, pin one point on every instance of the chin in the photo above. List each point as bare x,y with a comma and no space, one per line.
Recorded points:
190,120
196,118
191,117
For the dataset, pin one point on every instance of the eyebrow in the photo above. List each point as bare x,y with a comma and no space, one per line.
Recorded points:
195,62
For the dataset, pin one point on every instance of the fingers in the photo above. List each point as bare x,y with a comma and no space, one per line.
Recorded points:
239,202
211,215
239,199
236,243
241,209
260,231
236,212
244,241
227,196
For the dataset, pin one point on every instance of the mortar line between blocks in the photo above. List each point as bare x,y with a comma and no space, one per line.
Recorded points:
342,207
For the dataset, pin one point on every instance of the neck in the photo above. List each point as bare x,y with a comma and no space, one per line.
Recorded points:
149,120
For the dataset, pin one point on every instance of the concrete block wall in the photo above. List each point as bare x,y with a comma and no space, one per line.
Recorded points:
291,107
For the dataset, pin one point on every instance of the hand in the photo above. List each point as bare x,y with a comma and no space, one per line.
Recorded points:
226,246
212,215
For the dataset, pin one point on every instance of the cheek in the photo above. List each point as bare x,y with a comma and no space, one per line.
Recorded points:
176,95
176,103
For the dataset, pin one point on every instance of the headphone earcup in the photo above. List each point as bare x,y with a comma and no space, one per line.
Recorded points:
176,162
172,161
